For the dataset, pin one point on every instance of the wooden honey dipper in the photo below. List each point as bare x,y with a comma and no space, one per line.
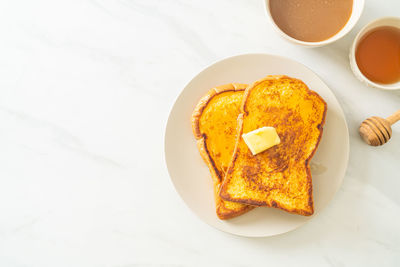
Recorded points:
377,131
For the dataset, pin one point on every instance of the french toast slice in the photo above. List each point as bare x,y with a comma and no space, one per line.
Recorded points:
280,176
214,126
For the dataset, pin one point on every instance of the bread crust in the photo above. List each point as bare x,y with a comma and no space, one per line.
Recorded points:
225,195
222,212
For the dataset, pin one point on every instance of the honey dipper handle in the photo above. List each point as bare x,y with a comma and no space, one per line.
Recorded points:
392,119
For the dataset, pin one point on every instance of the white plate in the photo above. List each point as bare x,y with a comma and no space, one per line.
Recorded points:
191,176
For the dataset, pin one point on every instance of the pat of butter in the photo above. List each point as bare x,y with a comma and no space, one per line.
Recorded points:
261,139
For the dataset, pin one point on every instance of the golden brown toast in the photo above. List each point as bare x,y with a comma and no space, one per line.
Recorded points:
214,126
280,176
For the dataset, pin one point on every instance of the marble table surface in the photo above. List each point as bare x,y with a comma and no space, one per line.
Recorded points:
85,91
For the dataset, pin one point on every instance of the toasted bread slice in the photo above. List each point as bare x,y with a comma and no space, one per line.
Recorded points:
214,126
280,176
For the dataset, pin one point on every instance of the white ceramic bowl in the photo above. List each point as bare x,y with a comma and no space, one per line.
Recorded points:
385,21
358,6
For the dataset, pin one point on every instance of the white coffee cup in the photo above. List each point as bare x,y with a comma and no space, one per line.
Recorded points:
358,6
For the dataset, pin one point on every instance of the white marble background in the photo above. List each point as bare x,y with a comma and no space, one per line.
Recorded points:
85,91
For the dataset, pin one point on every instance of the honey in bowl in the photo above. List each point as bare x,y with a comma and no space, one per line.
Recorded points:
311,20
378,55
